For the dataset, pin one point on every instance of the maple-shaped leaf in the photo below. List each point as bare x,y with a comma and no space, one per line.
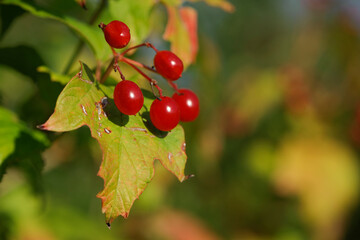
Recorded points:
130,144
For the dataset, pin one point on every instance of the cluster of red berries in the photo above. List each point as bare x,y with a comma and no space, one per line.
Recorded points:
165,112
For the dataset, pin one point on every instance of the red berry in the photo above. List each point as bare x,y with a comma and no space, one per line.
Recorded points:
117,34
164,113
128,97
188,103
168,65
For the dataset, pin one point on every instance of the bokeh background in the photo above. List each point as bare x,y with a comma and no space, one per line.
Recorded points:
275,150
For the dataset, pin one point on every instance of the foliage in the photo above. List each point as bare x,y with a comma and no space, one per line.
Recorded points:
130,144
275,150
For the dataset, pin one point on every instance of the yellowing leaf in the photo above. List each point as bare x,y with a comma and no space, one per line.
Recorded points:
130,144
181,31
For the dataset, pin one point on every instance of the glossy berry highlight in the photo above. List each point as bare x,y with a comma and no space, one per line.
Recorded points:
165,113
117,34
128,97
168,65
188,104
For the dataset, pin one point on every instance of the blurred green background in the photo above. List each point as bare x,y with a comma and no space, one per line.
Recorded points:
275,150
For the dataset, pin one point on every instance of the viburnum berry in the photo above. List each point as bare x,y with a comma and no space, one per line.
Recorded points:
165,113
117,34
128,97
188,103
168,65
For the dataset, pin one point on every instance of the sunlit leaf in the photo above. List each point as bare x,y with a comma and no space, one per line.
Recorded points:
130,144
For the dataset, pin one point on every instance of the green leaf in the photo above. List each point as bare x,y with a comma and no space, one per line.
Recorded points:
130,144
21,146
91,34
9,131
136,14
55,77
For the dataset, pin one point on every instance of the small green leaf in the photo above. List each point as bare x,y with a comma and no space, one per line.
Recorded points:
91,34
130,144
55,77
9,131
21,146
136,14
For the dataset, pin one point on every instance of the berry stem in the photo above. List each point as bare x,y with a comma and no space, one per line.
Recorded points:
98,70
107,71
117,68
152,81
116,65
114,52
174,86
136,63
146,44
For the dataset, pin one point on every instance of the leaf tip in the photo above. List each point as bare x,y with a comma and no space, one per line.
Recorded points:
125,215
42,127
